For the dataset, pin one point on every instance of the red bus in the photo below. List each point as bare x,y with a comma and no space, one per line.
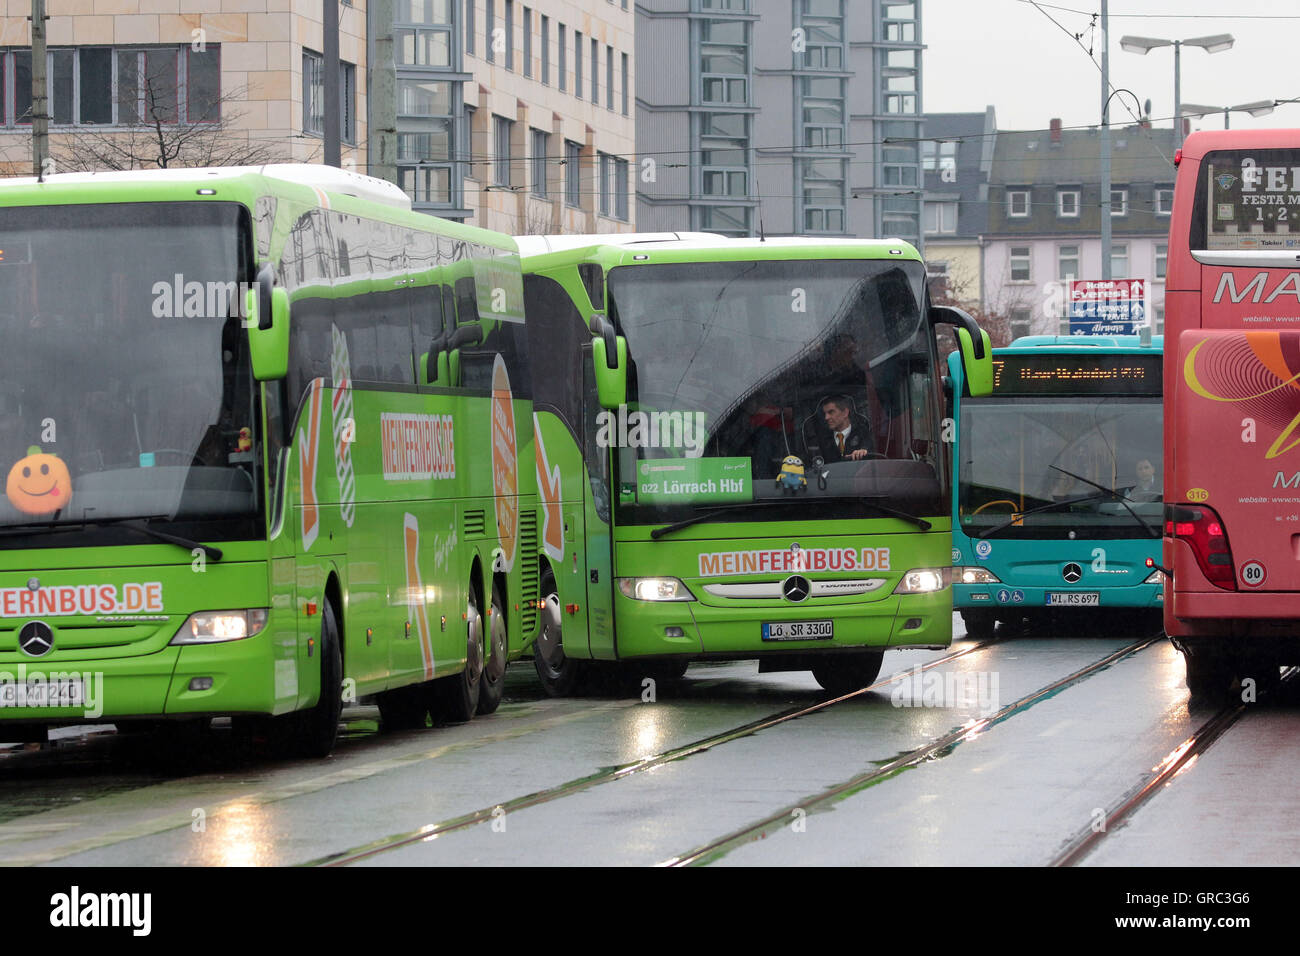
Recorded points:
1232,409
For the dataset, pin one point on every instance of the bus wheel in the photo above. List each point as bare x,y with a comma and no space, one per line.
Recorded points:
560,675
317,728
455,698
1209,676
494,668
844,673
979,624
402,709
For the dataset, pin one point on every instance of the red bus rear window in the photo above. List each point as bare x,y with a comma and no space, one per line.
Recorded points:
1247,199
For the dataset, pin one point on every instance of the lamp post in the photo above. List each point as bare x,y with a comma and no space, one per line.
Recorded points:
1258,108
1144,45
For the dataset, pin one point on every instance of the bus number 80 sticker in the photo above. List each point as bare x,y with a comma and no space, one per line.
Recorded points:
1253,574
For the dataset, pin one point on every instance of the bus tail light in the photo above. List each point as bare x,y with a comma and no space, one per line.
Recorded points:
1201,528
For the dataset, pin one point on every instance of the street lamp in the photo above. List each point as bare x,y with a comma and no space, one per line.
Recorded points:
1258,108
1144,45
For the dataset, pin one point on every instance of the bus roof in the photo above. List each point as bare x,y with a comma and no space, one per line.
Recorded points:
538,245
1156,342
705,246
341,181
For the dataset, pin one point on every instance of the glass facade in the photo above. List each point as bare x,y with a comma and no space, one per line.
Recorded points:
427,51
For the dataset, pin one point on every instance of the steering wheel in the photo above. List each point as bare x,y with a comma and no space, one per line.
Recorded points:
1001,501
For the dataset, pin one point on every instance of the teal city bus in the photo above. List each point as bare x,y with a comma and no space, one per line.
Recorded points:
697,503
1057,500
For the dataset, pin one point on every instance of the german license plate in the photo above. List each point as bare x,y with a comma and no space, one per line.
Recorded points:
65,692
1073,598
798,630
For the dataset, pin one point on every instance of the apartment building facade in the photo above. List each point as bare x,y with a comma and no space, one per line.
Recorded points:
1044,221
786,116
956,160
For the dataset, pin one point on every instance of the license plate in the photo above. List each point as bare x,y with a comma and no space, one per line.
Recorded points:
1073,598
65,692
798,630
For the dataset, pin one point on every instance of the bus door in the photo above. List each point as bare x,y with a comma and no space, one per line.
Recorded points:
598,522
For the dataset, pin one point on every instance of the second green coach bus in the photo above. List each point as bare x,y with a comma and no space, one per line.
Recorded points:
739,453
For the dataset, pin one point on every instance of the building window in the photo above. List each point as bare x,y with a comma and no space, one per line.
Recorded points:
510,34
608,184
577,64
626,78
1067,262
1119,202
1018,203
938,155
724,61
822,193
501,150
1162,259
469,27
541,148
527,25
725,220
1119,260
489,31
1160,319
1164,201
609,78
572,174
1021,322
822,22
936,276
562,47
940,217
425,184
595,72
546,50
1019,261
1067,203
313,96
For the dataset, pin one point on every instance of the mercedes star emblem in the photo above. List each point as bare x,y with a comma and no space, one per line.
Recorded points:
796,587
1071,572
36,639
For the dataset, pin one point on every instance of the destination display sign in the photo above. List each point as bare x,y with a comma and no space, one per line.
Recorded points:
1076,374
1253,200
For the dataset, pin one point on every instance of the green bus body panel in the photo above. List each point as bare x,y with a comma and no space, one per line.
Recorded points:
401,552
712,626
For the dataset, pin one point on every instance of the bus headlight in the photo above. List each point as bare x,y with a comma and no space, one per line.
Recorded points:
1155,577
923,581
213,627
975,576
655,589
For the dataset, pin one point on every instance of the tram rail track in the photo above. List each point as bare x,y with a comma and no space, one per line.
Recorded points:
487,814
759,829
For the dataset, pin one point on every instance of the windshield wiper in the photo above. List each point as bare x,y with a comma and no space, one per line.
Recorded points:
1115,496
709,515
80,525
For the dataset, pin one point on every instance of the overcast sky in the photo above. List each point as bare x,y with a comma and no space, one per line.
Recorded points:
1007,54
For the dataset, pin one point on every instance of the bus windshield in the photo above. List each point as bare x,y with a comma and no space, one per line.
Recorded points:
1045,466
125,388
771,381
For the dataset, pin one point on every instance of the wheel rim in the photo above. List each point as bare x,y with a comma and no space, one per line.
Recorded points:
550,645
473,643
496,662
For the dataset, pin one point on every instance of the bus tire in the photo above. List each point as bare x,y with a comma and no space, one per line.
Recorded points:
844,673
1210,676
979,623
404,708
561,676
498,651
455,697
316,729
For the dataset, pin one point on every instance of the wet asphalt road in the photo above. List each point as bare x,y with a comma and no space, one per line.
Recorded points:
1010,792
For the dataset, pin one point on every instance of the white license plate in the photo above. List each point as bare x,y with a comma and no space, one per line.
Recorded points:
66,692
1073,598
798,630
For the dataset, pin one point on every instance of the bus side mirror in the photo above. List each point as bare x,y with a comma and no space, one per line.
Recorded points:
611,376
266,310
973,342
602,327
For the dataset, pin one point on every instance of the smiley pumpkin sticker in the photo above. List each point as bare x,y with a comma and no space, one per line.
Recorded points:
39,484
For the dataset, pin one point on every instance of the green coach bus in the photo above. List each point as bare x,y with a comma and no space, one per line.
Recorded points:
739,453
263,430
